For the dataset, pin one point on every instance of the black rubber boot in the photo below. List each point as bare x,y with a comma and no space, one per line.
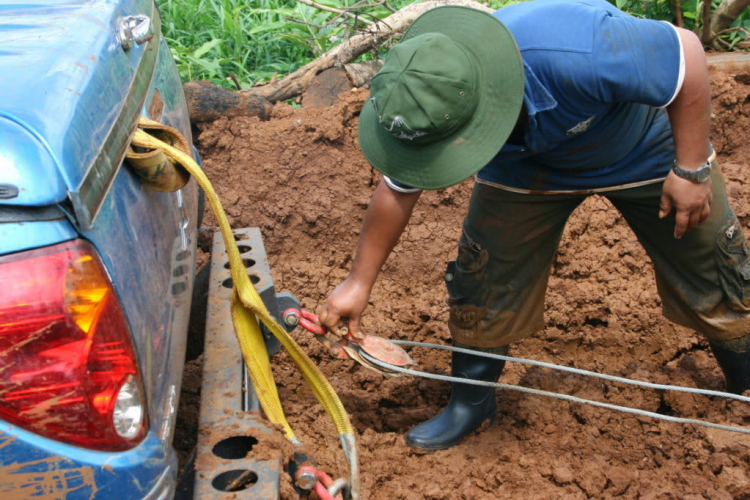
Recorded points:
733,357
469,407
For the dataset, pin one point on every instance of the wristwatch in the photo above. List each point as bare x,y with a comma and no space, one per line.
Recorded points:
700,175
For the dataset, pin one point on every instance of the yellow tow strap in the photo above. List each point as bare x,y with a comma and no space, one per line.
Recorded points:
247,306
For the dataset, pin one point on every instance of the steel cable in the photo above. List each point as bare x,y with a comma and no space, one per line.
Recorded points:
566,397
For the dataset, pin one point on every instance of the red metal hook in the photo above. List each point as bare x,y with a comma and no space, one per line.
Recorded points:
360,350
305,319
324,482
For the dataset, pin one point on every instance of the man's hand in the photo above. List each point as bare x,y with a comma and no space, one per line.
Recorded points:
691,201
345,304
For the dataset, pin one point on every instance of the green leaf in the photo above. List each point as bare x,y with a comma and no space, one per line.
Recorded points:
212,66
331,3
275,26
207,47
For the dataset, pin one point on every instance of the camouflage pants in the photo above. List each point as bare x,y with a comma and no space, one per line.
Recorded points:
497,284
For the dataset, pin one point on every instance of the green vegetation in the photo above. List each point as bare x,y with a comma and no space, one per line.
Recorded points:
253,39
689,14
242,42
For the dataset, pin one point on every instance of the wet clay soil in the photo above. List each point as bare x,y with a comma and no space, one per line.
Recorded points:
301,178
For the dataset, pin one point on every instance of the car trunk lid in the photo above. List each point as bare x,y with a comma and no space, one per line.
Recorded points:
68,119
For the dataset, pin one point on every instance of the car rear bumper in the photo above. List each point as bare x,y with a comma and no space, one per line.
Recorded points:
32,466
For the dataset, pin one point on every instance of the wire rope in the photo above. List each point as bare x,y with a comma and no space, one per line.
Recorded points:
567,397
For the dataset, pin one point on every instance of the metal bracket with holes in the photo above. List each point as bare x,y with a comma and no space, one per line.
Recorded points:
230,416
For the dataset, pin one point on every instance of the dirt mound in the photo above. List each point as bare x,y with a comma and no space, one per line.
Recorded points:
301,178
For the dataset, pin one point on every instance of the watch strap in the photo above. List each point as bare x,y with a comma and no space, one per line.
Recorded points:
701,174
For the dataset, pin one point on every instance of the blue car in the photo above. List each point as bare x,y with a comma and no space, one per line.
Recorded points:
96,268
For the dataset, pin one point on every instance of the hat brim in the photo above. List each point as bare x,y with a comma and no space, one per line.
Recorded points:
445,163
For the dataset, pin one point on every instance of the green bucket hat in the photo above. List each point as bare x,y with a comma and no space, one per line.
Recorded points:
445,100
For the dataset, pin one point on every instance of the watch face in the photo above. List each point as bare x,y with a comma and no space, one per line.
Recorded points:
699,175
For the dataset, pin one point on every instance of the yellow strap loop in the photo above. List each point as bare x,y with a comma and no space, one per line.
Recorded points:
247,307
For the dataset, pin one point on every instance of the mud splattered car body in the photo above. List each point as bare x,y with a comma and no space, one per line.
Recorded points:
96,269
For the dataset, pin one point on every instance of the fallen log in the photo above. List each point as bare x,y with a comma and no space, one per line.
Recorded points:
208,102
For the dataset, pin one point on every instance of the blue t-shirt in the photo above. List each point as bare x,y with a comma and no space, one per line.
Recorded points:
597,82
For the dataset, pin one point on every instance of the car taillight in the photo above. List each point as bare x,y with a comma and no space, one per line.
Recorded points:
68,370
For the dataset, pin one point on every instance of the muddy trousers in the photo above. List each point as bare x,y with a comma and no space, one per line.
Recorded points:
496,285
469,406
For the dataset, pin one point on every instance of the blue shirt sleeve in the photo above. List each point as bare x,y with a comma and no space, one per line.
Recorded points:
636,60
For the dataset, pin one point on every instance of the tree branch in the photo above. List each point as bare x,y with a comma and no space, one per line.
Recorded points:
727,12
340,12
375,35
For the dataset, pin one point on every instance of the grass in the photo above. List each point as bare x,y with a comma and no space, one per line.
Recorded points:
250,39
242,42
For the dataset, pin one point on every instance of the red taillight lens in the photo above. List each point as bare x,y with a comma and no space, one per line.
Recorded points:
65,350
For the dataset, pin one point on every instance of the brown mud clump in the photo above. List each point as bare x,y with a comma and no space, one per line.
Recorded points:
301,179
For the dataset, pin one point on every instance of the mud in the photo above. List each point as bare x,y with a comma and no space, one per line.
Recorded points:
301,178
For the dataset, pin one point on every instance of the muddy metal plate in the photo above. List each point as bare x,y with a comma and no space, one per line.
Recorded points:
230,417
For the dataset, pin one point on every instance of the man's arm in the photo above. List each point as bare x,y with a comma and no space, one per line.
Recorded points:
690,117
385,220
